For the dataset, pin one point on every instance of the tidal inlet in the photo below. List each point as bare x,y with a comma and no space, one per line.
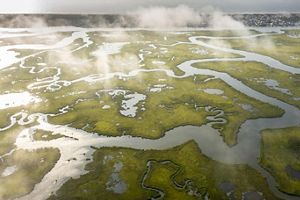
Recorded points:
158,102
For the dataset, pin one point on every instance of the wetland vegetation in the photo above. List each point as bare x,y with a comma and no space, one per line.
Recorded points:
281,157
93,94
188,175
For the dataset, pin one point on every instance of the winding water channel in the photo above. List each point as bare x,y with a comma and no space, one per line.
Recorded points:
77,143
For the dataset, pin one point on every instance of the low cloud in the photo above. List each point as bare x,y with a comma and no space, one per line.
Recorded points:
163,17
22,21
156,17
109,58
219,20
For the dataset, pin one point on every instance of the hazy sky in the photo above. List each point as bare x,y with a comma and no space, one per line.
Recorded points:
121,6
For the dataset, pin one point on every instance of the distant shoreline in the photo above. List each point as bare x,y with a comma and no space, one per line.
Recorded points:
128,21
